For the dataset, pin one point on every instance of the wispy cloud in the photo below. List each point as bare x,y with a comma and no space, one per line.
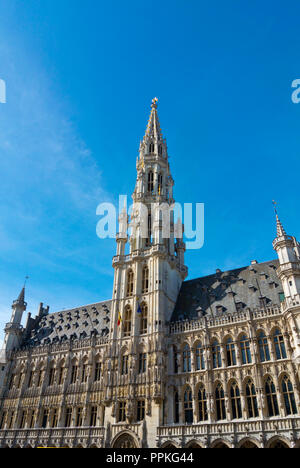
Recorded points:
51,182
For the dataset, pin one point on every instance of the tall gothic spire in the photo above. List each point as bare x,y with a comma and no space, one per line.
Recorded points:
153,129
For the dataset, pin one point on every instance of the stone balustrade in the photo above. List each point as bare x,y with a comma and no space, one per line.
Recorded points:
53,437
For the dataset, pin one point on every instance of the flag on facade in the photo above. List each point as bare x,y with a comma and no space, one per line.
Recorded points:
139,310
119,318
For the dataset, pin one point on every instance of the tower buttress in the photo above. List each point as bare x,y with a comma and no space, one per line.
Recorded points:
13,329
288,251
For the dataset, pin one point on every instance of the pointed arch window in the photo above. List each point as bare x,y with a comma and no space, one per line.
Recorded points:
130,278
186,358
176,407
202,404
230,353
288,396
200,361
220,402
175,359
60,373
271,397
51,376
151,148
74,373
127,322
144,319
216,355
124,364
251,400
149,227
30,380
159,183
145,280
245,350
188,406
279,344
235,398
150,181
160,150
263,345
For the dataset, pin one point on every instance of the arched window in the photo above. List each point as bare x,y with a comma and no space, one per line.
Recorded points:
74,372
279,344
127,322
61,371
263,345
202,404
235,401
175,357
186,358
144,318
188,406
124,364
160,150
176,407
140,410
151,148
145,280
51,375
230,353
159,183
251,399
245,350
150,181
288,396
216,355
271,397
200,362
220,402
130,277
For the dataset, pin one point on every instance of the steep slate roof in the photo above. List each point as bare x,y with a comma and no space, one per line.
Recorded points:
213,295
80,322
228,292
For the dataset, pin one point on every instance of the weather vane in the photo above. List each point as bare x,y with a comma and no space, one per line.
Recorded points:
274,203
26,278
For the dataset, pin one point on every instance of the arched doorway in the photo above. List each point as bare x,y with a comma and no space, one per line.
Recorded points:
278,444
220,445
124,441
248,444
193,445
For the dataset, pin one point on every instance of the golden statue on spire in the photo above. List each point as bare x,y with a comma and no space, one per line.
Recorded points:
154,102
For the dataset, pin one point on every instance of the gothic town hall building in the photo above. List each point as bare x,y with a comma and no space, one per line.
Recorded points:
211,362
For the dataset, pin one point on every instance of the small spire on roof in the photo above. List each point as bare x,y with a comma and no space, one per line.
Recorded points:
279,227
21,297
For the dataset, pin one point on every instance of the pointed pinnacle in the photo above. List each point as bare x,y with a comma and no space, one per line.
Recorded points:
280,229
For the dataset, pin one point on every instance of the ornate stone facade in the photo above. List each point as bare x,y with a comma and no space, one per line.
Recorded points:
208,363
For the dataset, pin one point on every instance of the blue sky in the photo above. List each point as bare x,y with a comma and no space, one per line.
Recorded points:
80,77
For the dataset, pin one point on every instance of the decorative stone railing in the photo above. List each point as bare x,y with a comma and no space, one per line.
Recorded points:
259,426
53,436
59,347
226,319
